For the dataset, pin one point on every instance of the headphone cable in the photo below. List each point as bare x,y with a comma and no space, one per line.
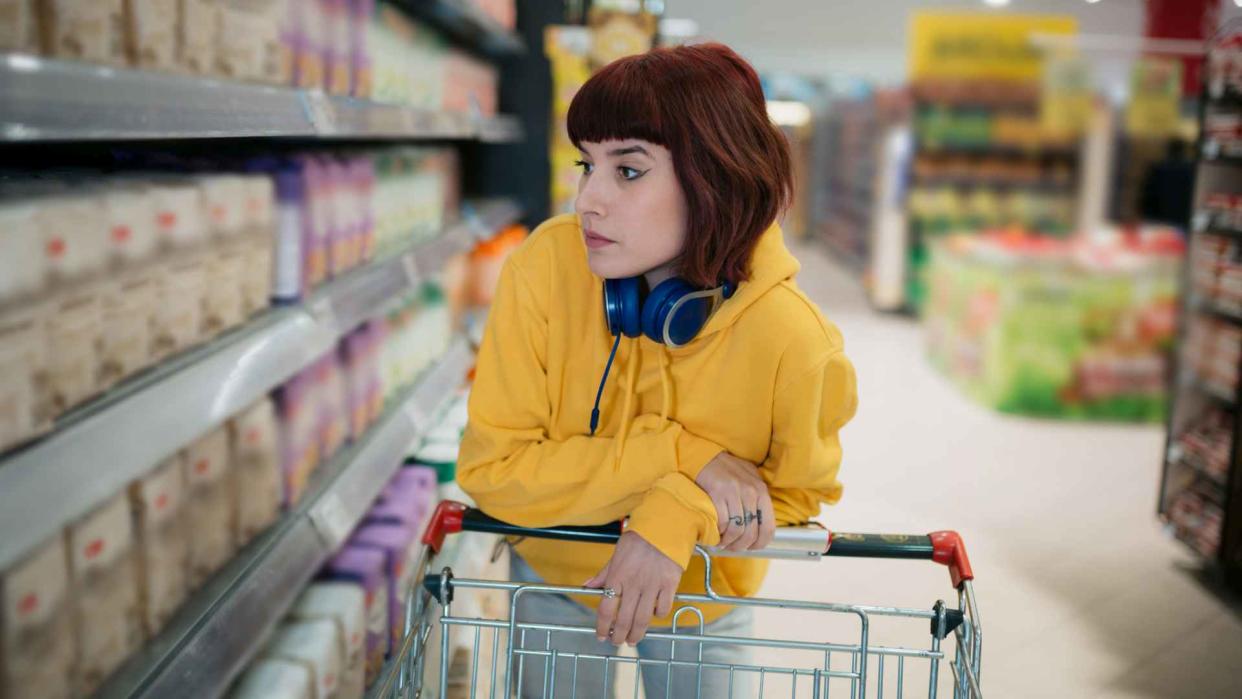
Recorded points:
600,392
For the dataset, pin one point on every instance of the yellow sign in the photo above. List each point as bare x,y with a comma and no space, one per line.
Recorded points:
976,45
1066,99
1155,90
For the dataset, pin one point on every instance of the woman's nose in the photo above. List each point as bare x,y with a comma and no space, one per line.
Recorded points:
590,199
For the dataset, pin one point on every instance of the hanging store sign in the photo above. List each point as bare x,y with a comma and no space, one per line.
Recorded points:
980,45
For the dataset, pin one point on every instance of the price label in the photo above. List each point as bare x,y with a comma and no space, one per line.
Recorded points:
331,521
319,111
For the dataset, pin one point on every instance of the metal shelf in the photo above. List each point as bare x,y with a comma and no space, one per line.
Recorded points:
98,450
222,626
45,100
466,25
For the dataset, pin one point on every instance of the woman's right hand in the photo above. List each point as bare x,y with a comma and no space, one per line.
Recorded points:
744,512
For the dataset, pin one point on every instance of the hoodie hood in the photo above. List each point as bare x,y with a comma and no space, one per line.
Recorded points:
771,263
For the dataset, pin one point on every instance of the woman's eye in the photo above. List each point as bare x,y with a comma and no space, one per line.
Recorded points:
629,173
586,167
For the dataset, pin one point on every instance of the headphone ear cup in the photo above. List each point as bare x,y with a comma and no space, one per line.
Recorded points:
623,304
659,303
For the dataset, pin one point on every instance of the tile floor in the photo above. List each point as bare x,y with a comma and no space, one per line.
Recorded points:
1081,595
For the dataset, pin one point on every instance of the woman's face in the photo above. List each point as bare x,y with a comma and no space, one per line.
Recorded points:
632,209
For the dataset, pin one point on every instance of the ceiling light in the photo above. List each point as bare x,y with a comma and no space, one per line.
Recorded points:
1002,3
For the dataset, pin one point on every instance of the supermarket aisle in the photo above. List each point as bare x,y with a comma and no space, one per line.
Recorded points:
1080,593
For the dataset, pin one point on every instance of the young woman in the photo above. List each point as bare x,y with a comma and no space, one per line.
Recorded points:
719,420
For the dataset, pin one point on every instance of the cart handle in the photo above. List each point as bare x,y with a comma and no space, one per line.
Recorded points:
943,547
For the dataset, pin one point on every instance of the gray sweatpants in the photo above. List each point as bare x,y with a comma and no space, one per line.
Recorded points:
586,678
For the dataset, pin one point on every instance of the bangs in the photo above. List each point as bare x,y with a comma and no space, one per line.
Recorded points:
618,103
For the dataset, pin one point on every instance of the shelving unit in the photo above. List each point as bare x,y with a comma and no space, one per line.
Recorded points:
102,447
1201,504
215,634
467,26
43,99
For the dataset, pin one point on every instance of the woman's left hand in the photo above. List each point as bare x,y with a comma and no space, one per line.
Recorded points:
644,582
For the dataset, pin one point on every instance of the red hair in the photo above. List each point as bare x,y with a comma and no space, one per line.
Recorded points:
705,104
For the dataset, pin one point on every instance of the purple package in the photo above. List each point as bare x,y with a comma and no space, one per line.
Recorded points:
338,193
299,451
367,567
355,359
360,71
315,226
364,183
394,540
336,46
420,480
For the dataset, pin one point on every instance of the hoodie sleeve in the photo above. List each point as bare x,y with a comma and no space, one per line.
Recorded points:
808,414
515,471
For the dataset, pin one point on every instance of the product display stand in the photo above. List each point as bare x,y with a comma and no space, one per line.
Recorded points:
1201,489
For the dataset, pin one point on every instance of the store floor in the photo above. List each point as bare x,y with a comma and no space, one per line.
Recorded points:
1080,593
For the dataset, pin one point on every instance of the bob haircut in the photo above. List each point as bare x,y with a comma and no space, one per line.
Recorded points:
705,104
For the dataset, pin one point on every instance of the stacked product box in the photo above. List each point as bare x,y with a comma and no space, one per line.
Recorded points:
103,276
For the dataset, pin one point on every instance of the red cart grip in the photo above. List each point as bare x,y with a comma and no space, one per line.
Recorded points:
949,549
447,519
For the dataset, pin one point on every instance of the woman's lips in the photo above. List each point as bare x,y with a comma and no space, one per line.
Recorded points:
596,241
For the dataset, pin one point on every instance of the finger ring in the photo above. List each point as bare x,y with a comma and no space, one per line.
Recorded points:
759,516
610,592
738,520
750,517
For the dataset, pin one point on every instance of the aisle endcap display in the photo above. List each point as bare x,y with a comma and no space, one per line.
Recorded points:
43,99
104,446
211,639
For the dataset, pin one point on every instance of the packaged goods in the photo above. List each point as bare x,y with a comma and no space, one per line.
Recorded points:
75,237
23,265
299,434
197,24
37,645
151,28
344,604
256,468
107,623
394,541
74,334
85,31
132,237
25,409
211,505
366,567
128,307
159,506
313,645
275,679
19,26
181,288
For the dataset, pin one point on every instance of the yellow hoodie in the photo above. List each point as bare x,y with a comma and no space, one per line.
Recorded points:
765,380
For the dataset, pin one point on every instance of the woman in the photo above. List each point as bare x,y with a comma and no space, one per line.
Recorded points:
718,425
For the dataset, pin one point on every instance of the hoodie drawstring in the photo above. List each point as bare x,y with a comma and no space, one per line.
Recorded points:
631,373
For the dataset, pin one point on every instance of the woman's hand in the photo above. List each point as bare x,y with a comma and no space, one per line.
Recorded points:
744,512
644,582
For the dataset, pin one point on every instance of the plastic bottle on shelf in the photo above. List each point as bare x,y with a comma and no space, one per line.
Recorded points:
343,604
313,645
289,255
158,501
211,510
275,679
366,567
37,646
107,625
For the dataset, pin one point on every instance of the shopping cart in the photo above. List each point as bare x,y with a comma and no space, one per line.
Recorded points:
858,669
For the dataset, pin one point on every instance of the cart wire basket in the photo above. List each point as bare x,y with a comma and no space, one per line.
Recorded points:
455,646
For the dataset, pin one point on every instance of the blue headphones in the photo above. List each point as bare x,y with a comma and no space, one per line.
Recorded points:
672,313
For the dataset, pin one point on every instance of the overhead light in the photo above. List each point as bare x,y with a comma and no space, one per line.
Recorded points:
1092,2
1002,3
787,113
